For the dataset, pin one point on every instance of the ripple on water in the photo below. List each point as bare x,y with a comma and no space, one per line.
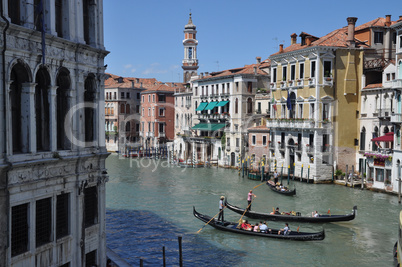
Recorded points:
132,235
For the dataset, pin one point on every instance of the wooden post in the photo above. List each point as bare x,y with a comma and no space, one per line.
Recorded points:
301,174
308,174
141,262
180,252
164,257
281,173
288,173
294,169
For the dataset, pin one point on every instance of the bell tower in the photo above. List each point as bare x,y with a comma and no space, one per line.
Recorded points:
190,61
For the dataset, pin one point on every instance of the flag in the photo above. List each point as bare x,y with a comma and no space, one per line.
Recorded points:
41,16
288,103
273,103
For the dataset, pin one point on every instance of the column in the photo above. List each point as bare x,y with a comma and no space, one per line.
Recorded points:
50,16
52,117
28,129
27,14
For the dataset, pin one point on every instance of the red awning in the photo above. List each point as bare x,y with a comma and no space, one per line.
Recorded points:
388,137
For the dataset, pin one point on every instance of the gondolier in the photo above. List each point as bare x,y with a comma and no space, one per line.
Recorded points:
250,199
221,207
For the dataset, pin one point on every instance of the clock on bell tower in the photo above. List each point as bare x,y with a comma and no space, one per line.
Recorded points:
190,61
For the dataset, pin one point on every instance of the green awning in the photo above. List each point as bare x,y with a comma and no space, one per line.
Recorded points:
211,105
201,106
208,126
222,103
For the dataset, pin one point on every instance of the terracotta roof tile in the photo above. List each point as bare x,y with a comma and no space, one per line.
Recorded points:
247,69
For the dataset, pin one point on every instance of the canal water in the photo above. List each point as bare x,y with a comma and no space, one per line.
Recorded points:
149,204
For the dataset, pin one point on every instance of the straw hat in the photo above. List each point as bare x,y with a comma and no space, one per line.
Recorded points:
222,197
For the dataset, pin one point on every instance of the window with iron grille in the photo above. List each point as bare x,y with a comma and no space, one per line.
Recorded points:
62,215
91,206
90,259
19,229
43,221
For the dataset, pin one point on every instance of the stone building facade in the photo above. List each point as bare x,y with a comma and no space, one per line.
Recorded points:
52,142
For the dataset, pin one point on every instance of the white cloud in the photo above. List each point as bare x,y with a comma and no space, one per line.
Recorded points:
133,70
154,69
127,66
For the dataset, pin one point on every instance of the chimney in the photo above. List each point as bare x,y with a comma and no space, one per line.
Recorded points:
400,18
387,20
308,40
281,48
258,60
351,31
293,39
206,73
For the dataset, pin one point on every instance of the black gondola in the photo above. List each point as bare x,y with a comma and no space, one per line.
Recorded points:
324,218
232,227
286,193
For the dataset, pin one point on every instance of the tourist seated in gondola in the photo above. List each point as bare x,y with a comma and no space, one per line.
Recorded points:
285,230
264,228
256,228
245,226
315,214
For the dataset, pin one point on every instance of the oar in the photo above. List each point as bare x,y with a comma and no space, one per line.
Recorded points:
298,228
211,220
258,185
245,211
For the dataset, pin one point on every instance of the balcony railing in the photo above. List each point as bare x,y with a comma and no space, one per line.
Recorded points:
396,118
309,148
163,134
311,81
329,81
397,83
299,83
326,148
272,86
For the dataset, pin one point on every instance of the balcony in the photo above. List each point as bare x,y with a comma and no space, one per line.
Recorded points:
150,134
309,148
283,85
258,111
396,118
237,149
326,148
299,83
328,81
272,86
397,83
162,134
311,81
271,144
292,123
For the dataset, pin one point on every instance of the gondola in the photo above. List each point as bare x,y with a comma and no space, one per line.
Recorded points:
324,218
286,193
232,227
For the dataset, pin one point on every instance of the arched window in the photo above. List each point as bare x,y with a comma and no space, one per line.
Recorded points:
375,134
249,105
128,126
89,98
386,129
128,109
63,87
42,110
19,75
122,108
363,139
237,106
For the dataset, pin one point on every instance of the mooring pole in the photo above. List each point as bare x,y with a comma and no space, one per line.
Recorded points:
288,173
308,174
180,252
301,174
164,257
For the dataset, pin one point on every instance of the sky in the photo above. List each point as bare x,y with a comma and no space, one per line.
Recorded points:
145,38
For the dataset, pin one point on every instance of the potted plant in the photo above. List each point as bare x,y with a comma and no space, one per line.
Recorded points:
338,173
387,182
